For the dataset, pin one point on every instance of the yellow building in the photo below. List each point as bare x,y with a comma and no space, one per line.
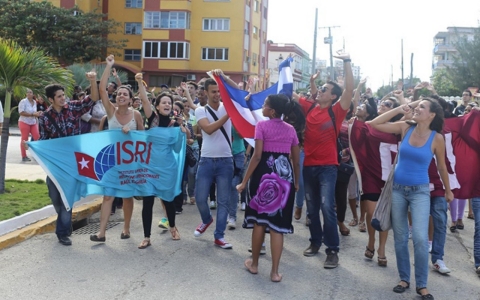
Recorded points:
175,40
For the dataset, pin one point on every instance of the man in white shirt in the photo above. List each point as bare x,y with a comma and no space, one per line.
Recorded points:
216,163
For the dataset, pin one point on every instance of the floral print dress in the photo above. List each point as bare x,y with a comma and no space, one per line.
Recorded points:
272,194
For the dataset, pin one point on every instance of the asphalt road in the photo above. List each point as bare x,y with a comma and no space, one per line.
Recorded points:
193,268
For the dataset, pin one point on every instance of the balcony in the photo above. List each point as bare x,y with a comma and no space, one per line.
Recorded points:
442,64
442,48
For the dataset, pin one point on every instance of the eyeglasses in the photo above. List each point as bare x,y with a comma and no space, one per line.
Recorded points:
386,104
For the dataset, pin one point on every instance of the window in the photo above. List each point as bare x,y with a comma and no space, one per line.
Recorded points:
215,53
166,50
133,54
247,28
133,3
216,24
255,31
254,59
265,12
255,5
167,20
133,28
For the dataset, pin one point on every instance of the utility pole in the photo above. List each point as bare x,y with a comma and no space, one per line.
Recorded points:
314,65
329,40
391,75
411,72
402,65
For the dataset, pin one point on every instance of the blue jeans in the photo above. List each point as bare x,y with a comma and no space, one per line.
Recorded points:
64,218
300,196
476,237
438,211
192,172
239,159
320,194
418,198
219,170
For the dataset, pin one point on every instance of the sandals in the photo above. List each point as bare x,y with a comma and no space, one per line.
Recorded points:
145,243
96,238
426,296
125,236
382,261
345,232
400,288
453,228
192,200
175,234
470,216
460,226
369,253
362,227
353,223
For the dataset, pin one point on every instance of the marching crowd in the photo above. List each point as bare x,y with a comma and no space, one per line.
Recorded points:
302,152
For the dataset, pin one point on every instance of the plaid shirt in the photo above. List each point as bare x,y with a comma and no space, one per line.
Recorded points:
67,120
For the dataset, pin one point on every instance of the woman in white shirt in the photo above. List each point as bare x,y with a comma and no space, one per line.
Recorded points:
27,123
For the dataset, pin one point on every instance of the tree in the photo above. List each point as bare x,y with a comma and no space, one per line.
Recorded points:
70,35
383,90
465,71
79,71
443,83
21,69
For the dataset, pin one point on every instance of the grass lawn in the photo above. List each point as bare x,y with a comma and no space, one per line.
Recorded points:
22,196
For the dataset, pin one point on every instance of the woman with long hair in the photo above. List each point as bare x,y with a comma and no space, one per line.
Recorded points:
422,139
273,179
27,123
119,117
161,116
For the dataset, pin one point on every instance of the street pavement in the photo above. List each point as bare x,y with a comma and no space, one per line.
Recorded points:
193,268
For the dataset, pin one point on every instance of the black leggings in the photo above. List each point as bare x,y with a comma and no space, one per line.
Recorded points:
147,214
341,199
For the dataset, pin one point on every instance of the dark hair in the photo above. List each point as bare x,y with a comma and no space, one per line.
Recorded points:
337,90
446,106
114,95
80,94
438,120
292,112
164,94
77,87
114,84
467,91
193,83
395,104
179,104
208,83
51,89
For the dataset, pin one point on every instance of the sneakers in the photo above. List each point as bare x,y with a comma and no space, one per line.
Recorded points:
201,228
441,268
263,250
430,246
213,205
332,260
223,244
164,223
244,206
231,224
26,158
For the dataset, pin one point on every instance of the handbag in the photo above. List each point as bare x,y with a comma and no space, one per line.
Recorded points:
381,219
236,171
191,158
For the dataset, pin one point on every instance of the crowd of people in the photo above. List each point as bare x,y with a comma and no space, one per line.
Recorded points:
303,152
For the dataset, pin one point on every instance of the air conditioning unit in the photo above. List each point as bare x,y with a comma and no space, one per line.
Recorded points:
191,77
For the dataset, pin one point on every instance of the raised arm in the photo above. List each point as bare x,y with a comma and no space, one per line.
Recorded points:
117,78
230,82
109,107
184,87
347,94
381,123
92,78
358,91
399,95
147,107
313,85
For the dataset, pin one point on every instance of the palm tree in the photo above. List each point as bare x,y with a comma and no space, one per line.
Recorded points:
21,69
79,71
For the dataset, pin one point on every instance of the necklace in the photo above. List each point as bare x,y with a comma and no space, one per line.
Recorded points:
422,136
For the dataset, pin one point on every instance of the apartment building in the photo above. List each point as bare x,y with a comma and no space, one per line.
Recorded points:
175,40
300,66
444,45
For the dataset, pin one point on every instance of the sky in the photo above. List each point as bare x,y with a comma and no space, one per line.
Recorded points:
373,30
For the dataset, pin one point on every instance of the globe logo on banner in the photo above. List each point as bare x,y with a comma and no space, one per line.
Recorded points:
95,168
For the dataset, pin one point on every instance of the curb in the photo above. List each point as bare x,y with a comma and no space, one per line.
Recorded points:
47,225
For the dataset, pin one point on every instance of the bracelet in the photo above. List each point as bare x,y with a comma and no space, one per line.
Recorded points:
347,60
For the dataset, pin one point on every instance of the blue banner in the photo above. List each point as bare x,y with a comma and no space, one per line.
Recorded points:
112,163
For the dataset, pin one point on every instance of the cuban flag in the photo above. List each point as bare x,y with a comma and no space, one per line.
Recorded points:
140,163
245,114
